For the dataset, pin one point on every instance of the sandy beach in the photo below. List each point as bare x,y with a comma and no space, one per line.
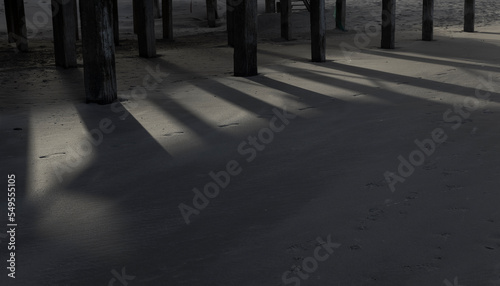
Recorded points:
197,177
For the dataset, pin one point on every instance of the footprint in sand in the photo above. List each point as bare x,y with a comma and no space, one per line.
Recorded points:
173,133
228,125
52,155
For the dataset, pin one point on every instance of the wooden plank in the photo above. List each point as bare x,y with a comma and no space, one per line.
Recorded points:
318,27
245,38
340,12
270,6
286,14
230,21
211,12
388,24
469,15
16,21
116,23
428,20
145,28
98,51
64,23
168,23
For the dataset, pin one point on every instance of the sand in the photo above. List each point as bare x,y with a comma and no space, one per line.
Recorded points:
308,204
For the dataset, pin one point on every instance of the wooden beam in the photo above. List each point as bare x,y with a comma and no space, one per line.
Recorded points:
168,23
211,12
270,6
64,23
230,21
157,9
77,30
245,38
469,15
16,24
98,51
428,20
388,24
116,23
318,27
286,14
145,28
340,12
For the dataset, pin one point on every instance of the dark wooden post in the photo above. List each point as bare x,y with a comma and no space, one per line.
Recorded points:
318,27
116,23
340,11
168,23
98,51
157,9
16,24
270,6
286,14
245,38
77,30
63,23
211,12
469,15
428,20
230,6
388,24
145,28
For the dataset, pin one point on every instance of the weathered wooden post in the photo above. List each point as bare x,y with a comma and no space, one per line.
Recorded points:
318,27
245,38
340,11
230,6
157,9
63,23
428,20
270,6
16,24
286,14
77,30
168,23
211,12
469,15
116,23
145,28
388,24
98,51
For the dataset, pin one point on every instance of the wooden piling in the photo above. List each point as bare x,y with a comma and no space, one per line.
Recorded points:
145,28
77,30
157,9
230,21
340,12
286,14
388,24
116,23
428,20
98,51
16,24
168,24
245,38
211,12
270,6
318,27
469,15
64,23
